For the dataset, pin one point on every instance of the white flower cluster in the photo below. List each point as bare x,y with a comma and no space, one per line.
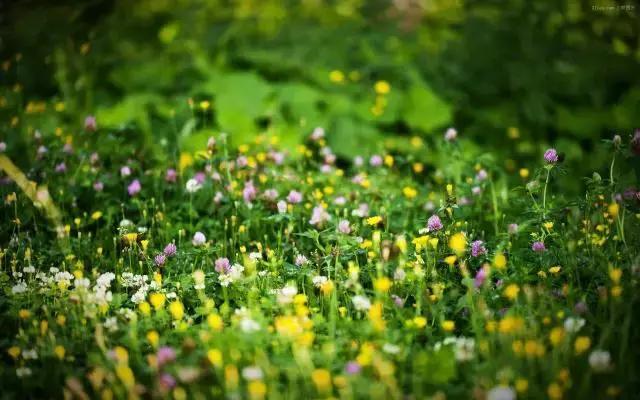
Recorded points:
246,323
286,294
139,282
464,348
319,280
233,274
361,303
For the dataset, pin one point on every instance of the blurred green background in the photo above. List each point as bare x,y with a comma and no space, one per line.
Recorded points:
513,75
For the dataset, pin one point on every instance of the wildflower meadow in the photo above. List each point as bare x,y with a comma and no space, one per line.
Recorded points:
180,245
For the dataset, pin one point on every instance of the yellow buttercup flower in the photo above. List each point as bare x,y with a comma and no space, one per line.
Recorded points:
382,284
500,261
336,76
448,325
177,310
157,300
409,192
257,390
458,243
59,351
125,374
511,291
582,344
372,221
215,357
382,87
321,379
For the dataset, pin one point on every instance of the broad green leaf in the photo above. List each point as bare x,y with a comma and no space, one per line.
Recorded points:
423,109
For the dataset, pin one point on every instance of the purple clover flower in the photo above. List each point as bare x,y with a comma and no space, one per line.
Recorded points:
551,156
434,223
538,247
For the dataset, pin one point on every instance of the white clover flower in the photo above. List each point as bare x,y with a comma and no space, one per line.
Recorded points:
199,239
193,185
105,279
248,325
255,256
198,278
252,373
19,287
286,294
501,393
23,372
29,269
399,274
301,260
83,283
600,360
361,303
30,354
573,325
319,280
391,348
111,324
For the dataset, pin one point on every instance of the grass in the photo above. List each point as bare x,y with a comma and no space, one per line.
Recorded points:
253,272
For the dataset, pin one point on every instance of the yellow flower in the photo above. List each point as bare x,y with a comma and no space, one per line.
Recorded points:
556,335
511,291
420,322
613,209
231,377
327,287
374,220
125,374
382,87
257,390
186,160
336,76
450,260
215,322
130,238
524,173
409,192
448,325
59,351
375,316
153,337
555,270
582,344
382,284
420,242
322,379
418,167
615,274
215,357
157,300
548,225
522,385
96,215
145,308
176,309
554,391
458,243
24,314
121,355
14,352
388,161
500,261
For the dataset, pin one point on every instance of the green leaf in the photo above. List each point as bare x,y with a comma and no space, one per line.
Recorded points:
423,109
240,98
435,367
349,137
